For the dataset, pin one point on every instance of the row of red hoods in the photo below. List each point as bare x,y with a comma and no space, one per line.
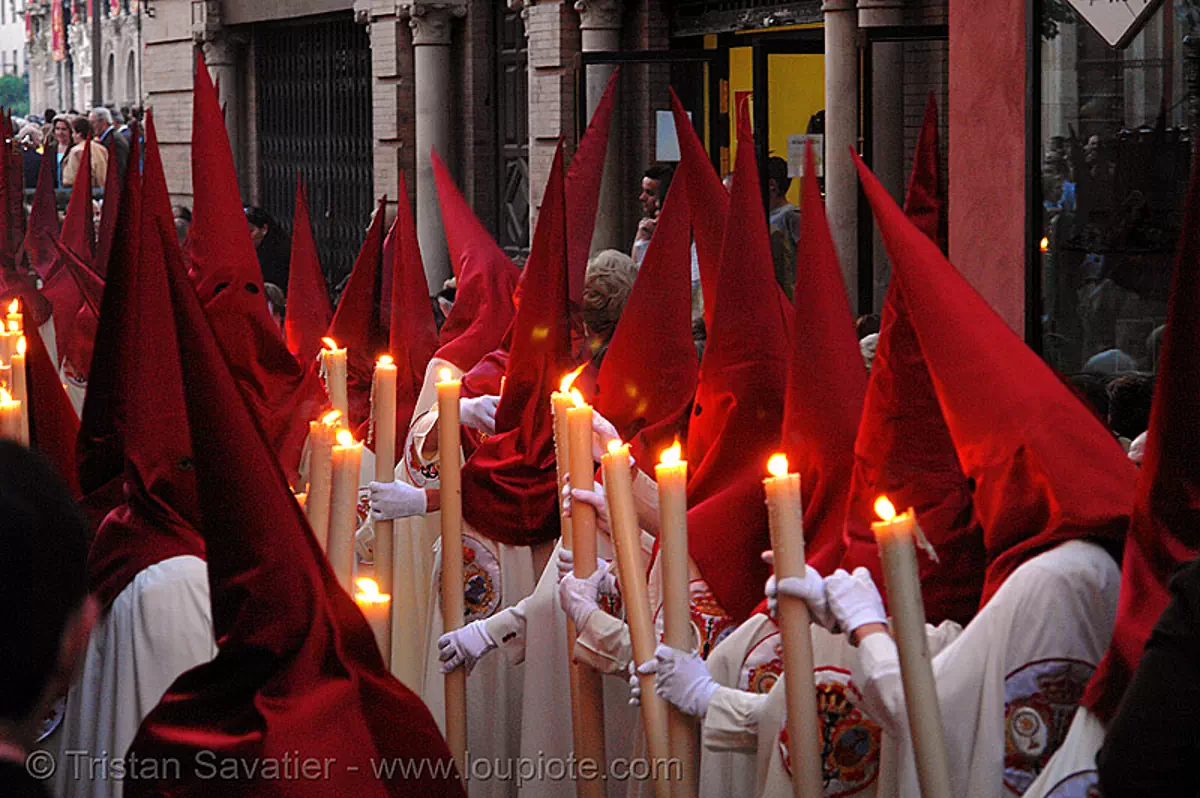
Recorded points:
198,406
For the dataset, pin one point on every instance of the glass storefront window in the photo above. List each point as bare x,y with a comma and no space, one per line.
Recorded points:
1116,144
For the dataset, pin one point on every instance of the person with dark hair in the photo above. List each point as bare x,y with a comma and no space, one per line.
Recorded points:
783,215
273,246
867,325
48,613
80,131
1092,390
655,182
48,116
1129,398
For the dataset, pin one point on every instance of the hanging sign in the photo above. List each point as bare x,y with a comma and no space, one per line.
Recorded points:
1117,21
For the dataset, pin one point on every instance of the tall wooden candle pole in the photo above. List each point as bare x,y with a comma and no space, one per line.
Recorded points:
383,418
583,534
333,363
320,475
452,559
787,539
894,536
343,510
561,402
627,539
671,476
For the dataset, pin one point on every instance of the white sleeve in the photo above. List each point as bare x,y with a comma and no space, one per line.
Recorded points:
883,692
604,644
731,723
507,628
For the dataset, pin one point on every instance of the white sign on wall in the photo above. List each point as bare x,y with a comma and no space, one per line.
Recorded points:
1117,21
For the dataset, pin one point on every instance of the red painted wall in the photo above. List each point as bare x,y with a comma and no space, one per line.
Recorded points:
987,150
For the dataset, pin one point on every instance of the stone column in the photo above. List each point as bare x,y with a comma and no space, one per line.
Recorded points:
600,31
841,133
887,120
221,50
430,23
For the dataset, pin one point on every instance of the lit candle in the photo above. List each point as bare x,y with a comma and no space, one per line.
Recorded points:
450,474
627,540
10,417
333,363
343,506
320,474
671,476
20,388
8,344
894,536
376,608
383,410
301,499
16,321
787,539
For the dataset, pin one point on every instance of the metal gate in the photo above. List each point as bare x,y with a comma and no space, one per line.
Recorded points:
512,131
313,81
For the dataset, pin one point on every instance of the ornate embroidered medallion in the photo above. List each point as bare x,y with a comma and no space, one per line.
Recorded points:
611,602
762,666
364,506
850,740
1040,700
1084,784
481,581
710,619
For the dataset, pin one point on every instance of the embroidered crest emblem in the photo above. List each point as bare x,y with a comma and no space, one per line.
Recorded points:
1084,784
762,666
849,739
712,621
481,581
1040,700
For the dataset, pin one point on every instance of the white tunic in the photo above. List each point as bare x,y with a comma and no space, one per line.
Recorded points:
157,628
1010,684
1071,772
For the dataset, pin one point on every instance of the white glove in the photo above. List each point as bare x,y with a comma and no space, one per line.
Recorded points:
566,567
595,499
465,646
578,597
395,500
811,588
854,599
479,413
681,678
602,433
635,686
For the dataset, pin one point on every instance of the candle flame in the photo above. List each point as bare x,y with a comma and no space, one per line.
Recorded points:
14,306
884,508
671,456
21,345
615,446
569,380
444,375
345,437
577,398
777,466
368,592
13,326
5,397
329,343
330,417
1044,246
386,360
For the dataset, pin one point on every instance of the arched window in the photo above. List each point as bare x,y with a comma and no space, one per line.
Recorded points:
110,77
131,87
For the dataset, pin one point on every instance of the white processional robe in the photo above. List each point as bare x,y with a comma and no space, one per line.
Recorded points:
1071,772
157,628
1010,685
745,725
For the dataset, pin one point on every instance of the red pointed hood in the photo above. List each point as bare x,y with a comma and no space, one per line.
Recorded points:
1164,532
78,235
1040,480
308,310
413,336
821,414
43,227
904,449
53,425
583,189
359,324
509,483
15,285
298,668
739,401
76,348
486,278
283,395
112,201
709,202
648,377
158,514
